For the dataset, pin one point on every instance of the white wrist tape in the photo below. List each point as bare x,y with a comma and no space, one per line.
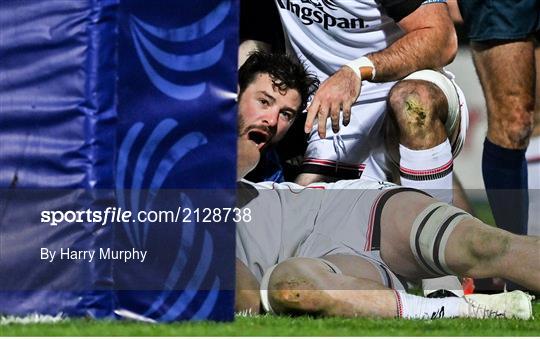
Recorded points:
359,63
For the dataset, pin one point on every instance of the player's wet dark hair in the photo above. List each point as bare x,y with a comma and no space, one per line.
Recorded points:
285,71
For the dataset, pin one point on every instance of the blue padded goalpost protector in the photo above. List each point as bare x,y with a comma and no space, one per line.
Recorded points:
124,105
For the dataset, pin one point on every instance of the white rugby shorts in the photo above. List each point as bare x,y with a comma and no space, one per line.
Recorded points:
290,220
347,154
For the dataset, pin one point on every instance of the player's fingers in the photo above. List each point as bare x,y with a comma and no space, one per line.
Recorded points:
322,117
311,114
334,115
346,114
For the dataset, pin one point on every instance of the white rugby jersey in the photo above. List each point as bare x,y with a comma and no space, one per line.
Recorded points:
327,34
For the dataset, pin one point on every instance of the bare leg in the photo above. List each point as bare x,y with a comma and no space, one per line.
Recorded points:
450,283
418,109
355,266
477,250
307,286
460,197
397,219
247,298
507,73
474,249
310,286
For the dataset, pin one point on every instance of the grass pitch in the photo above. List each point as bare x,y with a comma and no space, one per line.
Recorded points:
285,326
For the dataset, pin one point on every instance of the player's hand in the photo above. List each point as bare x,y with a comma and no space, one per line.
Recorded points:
337,93
248,157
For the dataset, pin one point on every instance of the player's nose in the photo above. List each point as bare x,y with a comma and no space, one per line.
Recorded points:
271,116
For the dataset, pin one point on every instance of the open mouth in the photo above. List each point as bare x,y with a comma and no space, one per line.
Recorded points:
259,137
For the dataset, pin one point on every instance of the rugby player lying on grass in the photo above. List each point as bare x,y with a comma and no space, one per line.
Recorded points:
337,249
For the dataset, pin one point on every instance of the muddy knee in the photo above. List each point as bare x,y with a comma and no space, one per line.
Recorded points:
296,286
418,110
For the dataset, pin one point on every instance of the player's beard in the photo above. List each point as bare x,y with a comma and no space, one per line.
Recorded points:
243,129
241,125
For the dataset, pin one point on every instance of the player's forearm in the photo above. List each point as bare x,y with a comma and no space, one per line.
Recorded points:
429,48
430,42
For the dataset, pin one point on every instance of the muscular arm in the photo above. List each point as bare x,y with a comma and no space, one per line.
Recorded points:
430,41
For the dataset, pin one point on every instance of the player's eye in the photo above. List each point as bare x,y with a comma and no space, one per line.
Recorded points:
288,116
264,102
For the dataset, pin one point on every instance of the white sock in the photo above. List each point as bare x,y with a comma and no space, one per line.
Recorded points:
415,307
533,167
429,170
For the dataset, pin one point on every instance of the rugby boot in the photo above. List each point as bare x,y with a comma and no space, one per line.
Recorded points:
509,305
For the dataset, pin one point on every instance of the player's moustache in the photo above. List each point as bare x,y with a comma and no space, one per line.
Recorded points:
270,130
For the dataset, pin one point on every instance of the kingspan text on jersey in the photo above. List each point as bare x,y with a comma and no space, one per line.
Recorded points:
309,16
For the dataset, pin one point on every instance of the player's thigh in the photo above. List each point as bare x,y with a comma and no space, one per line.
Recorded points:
365,266
460,197
355,266
302,273
397,220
